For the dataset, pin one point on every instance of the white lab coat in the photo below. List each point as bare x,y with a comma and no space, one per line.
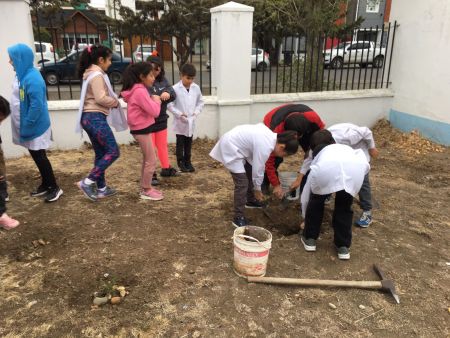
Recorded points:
41,142
350,135
336,167
188,102
252,143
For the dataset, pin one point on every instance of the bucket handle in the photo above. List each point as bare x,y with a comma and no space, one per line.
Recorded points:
254,239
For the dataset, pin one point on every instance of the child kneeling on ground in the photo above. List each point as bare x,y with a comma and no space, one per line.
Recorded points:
335,168
244,151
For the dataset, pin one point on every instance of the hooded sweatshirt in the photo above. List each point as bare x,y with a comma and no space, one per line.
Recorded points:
141,110
97,96
34,116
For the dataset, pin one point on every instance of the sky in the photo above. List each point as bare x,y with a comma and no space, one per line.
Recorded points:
98,3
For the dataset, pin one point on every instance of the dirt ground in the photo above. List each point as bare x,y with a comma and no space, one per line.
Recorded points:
175,256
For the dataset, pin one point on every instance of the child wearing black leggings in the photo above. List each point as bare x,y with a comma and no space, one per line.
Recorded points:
33,125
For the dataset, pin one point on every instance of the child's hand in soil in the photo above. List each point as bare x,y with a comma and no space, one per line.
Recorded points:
259,195
278,191
373,152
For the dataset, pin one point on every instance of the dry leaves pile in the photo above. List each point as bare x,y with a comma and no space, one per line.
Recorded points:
410,143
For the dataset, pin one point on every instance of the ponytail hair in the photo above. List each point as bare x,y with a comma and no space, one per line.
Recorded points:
133,72
90,55
290,141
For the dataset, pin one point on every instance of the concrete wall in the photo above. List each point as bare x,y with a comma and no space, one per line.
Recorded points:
15,27
363,107
420,74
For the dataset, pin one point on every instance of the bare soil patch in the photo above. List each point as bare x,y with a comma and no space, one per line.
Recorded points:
175,256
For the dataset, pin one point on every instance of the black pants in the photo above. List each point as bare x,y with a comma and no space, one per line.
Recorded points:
265,185
342,218
243,190
45,168
183,148
2,205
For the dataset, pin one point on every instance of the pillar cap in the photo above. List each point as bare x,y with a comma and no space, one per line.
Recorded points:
232,7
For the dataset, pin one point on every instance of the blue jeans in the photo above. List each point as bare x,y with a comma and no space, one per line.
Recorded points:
104,144
365,195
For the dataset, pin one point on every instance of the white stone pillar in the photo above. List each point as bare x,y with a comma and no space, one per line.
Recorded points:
15,27
231,43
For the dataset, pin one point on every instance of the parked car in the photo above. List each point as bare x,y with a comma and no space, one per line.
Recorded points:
356,52
65,69
45,52
80,46
142,52
262,58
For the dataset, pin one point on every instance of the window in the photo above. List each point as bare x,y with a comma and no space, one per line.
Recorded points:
37,46
373,6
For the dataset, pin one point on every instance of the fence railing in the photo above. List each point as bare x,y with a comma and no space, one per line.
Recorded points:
61,37
296,63
322,62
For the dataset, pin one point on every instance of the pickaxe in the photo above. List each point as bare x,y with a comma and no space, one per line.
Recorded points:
386,285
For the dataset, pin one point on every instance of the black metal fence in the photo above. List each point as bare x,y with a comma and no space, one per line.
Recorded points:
322,62
62,36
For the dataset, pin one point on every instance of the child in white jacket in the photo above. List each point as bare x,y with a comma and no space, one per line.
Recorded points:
244,151
357,138
335,168
185,109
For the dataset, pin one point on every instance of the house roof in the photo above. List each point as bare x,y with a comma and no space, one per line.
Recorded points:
66,15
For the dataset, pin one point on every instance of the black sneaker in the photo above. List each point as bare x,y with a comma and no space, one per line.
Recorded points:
40,191
343,253
53,195
190,167
240,221
308,243
155,181
255,205
169,172
182,167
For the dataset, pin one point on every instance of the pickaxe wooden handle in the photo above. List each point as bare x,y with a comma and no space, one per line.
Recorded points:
317,282
384,284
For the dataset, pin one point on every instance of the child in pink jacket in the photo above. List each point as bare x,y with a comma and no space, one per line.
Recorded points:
142,111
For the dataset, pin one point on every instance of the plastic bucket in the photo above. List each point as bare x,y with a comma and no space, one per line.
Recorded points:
286,179
251,252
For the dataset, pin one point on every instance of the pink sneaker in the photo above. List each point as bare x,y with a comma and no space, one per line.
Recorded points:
7,222
152,194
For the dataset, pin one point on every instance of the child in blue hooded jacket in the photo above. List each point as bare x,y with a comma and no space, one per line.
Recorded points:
34,128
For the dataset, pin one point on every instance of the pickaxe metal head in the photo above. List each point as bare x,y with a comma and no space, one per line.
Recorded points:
387,284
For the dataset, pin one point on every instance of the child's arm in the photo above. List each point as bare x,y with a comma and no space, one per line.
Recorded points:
200,103
35,110
100,94
146,103
174,110
168,90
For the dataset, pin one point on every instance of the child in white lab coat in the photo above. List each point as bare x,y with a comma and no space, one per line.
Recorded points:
244,151
335,168
357,138
185,109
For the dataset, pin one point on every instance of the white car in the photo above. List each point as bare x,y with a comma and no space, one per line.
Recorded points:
142,52
259,62
44,52
79,46
356,52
